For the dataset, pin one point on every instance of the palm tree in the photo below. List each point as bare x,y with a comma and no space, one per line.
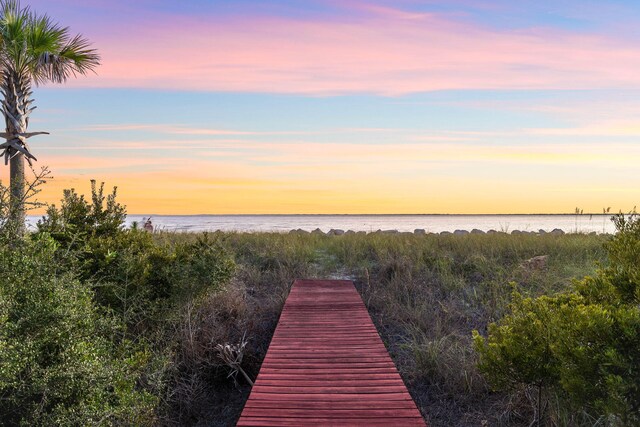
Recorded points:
33,49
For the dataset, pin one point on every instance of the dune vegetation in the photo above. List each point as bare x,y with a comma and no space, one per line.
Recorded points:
106,325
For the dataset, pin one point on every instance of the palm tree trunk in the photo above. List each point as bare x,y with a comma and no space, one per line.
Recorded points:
15,107
17,195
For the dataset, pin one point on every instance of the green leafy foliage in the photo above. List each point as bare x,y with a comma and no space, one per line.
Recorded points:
58,363
142,280
131,273
87,314
582,346
78,220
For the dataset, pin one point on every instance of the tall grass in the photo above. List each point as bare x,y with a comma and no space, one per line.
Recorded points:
425,294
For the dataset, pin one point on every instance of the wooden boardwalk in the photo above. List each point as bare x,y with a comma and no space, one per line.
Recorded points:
326,365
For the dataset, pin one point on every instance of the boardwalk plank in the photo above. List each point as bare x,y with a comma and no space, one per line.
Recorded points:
297,422
327,366
313,404
330,397
332,413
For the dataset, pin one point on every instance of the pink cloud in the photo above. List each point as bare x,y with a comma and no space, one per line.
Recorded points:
386,51
199,131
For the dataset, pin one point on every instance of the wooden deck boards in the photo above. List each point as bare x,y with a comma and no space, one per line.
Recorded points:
327,366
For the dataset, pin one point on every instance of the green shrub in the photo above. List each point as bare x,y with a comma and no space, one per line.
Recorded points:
143,280
77,220
140,280
131,273
581,346
58,363
203,264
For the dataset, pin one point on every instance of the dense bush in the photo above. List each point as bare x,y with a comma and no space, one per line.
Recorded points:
131,273
580,348
58,362
77,220
89,312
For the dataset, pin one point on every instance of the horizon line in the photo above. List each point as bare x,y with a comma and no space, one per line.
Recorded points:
385,214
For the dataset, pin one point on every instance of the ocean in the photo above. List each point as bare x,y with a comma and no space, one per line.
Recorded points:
430,223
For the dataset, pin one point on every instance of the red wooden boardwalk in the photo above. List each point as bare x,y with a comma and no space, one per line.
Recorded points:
326,365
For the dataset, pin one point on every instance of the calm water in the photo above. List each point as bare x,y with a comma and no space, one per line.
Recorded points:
431,223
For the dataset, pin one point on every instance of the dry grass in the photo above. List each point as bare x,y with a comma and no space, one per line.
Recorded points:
424,293
201,391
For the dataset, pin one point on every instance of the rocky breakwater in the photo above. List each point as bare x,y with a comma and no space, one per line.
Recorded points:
423,232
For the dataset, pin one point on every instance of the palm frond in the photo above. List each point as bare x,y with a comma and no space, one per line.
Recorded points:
75,57
43,35
35,46
14,20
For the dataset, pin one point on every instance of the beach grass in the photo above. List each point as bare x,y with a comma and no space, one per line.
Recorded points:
425,293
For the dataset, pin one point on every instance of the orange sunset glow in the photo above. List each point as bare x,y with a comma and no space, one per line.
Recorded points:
350,107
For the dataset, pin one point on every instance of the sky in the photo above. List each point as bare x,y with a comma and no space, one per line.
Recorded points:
349,106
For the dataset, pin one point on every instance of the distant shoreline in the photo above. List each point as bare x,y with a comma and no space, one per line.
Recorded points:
377,215
372,222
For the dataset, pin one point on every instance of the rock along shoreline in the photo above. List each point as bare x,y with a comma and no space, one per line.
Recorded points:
423,232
